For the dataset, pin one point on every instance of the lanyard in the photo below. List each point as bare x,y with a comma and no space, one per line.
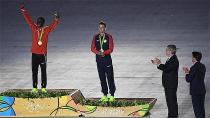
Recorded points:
101,41
40,35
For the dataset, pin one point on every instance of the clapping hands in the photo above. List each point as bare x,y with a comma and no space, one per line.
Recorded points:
156,61
186,70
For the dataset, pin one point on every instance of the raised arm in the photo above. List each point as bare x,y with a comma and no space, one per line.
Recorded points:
26,16
54,23
169,67
189,77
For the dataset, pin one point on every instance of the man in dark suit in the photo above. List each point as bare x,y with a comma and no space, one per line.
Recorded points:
195,76
170,79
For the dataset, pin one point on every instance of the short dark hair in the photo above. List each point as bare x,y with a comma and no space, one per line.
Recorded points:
197,55
173,48
41,18
102,23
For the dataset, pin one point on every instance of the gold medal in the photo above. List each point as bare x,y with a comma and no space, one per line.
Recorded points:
40,36
39,43
101,39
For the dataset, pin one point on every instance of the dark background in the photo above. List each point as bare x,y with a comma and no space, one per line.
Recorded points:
141,30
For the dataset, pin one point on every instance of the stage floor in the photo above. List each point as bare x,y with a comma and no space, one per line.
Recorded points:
141,31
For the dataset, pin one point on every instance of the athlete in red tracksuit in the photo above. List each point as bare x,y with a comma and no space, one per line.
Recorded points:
39,46
102,45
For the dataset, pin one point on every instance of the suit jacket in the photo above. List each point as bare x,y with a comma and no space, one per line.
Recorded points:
196,79
170,72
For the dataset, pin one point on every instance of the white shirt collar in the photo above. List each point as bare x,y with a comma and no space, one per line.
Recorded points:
170,57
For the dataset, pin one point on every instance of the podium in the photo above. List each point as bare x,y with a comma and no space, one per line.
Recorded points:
69,102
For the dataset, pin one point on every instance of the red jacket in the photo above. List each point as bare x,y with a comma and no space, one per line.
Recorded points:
38,49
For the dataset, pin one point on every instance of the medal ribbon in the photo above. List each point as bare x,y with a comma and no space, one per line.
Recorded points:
101,41
40,35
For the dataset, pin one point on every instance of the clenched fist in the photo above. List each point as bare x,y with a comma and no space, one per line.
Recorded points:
56,15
